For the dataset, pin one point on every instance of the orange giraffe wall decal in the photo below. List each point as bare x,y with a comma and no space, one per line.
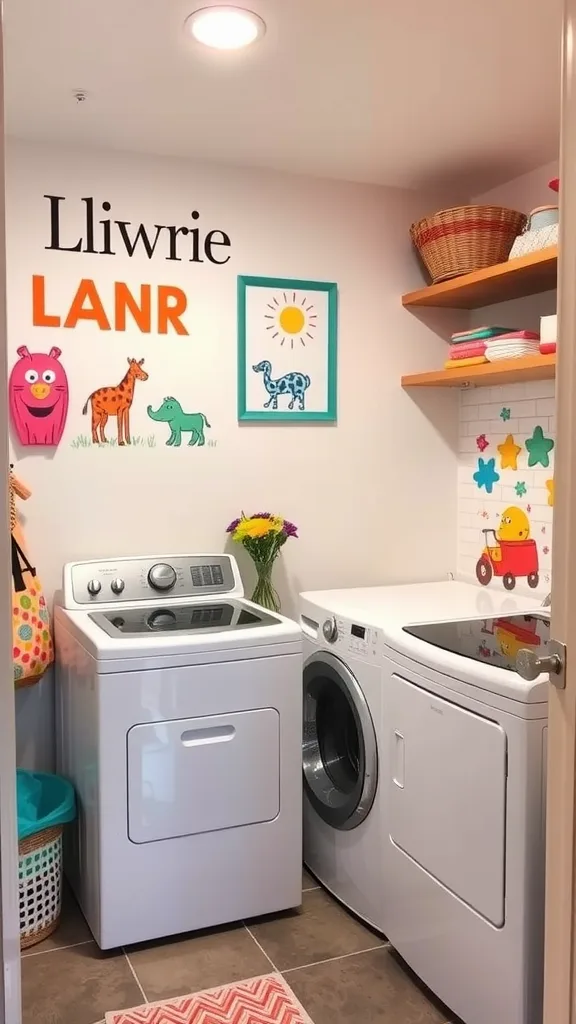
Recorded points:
115,401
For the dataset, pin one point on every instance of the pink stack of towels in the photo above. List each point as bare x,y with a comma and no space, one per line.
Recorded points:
488,344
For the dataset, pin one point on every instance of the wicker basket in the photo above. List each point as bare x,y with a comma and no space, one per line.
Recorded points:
466,238
40,885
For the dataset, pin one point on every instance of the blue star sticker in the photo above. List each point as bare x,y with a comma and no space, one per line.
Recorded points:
486,476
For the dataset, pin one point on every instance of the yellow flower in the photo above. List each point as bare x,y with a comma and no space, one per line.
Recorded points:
254,528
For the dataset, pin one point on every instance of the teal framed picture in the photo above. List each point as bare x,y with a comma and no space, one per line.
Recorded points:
287,348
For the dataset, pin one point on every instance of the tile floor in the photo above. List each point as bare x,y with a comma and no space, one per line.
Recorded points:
340,971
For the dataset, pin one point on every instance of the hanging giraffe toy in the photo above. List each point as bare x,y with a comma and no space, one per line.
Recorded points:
32,649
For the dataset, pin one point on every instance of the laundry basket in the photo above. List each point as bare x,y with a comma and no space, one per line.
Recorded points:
45,803
466,238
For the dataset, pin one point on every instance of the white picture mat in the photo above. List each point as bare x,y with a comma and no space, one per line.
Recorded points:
287,353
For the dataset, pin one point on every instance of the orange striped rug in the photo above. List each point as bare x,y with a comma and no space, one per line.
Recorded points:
264,1000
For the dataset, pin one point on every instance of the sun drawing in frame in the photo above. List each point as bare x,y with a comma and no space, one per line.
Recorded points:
289,319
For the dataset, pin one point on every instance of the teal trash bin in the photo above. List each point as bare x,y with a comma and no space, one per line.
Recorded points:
45,804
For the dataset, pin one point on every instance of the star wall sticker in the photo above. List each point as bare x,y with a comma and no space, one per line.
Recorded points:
504,414
520,488
550,489
486,475
509,452
539,448
481,442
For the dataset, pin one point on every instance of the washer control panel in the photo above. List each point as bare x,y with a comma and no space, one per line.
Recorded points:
352,639
143,579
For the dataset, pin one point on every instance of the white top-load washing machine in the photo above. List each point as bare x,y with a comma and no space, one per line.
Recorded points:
180,710
464,803
345,729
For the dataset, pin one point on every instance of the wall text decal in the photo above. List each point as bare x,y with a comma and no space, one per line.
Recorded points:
105,237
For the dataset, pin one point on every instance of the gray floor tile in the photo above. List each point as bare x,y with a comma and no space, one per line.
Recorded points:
321,929
204,960
373,988
72,928
76,986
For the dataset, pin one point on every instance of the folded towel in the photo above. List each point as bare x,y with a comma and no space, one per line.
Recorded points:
472,348
521,335
478,333
457,364
547,347
512,353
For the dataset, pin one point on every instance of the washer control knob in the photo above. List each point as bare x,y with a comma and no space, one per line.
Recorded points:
330,630
94,587
162,576
117,586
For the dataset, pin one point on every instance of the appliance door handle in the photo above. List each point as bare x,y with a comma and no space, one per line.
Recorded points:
198,737
398,771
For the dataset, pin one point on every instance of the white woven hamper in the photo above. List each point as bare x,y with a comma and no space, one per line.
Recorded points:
40,885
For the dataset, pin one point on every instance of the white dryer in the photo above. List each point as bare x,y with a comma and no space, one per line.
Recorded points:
345,825
180,709
464,797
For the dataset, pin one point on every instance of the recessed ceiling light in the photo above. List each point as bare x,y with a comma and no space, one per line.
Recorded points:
225,27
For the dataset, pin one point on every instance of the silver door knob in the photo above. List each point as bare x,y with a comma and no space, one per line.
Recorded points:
94,587
330,630
530,666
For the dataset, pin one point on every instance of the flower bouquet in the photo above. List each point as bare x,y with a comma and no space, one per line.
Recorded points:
262,536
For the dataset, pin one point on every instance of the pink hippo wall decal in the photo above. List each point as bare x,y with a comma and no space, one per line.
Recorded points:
38,394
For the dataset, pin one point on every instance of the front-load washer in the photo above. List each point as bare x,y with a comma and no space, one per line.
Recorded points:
344,753
464,796
179,723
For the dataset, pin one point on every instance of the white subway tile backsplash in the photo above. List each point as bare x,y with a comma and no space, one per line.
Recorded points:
525,407
468,412
487,417
545,407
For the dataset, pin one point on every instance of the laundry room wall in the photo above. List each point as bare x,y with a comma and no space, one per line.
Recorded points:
496,423
355,488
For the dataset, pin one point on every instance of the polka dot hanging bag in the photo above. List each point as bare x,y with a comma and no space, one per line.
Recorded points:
32,641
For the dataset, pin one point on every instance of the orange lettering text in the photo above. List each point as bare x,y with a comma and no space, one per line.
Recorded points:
171,313
39,316
87,291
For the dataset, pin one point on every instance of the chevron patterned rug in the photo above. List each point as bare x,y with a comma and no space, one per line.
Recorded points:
264,1000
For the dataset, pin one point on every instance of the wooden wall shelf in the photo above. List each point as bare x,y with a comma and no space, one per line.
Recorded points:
505,371
514,279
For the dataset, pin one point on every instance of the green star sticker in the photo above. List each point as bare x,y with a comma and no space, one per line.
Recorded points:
539,448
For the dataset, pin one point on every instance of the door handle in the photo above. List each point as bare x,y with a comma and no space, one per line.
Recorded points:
530,666
398,772
217,734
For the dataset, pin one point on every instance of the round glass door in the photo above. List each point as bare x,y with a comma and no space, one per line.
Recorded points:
339,750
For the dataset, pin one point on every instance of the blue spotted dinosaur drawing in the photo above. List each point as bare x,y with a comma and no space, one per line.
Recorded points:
293,384
172,413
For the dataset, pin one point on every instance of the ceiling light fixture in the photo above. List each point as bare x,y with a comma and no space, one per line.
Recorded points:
225,27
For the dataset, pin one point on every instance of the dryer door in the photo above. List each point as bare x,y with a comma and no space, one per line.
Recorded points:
339,750
448,794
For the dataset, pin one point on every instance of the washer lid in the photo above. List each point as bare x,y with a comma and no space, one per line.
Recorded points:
495,640
181,619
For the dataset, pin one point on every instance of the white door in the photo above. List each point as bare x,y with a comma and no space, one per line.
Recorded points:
560,955
9,922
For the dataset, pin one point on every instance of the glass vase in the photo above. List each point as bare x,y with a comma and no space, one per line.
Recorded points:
265,593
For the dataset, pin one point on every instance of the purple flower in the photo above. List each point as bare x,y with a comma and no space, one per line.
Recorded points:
289,529
233,525
262,515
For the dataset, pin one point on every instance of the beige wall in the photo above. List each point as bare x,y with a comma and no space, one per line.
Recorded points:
374,496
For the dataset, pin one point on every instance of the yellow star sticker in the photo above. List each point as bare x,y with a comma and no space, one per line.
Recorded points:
509,453
550,486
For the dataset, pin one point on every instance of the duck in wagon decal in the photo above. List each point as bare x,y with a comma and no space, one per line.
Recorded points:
513,553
